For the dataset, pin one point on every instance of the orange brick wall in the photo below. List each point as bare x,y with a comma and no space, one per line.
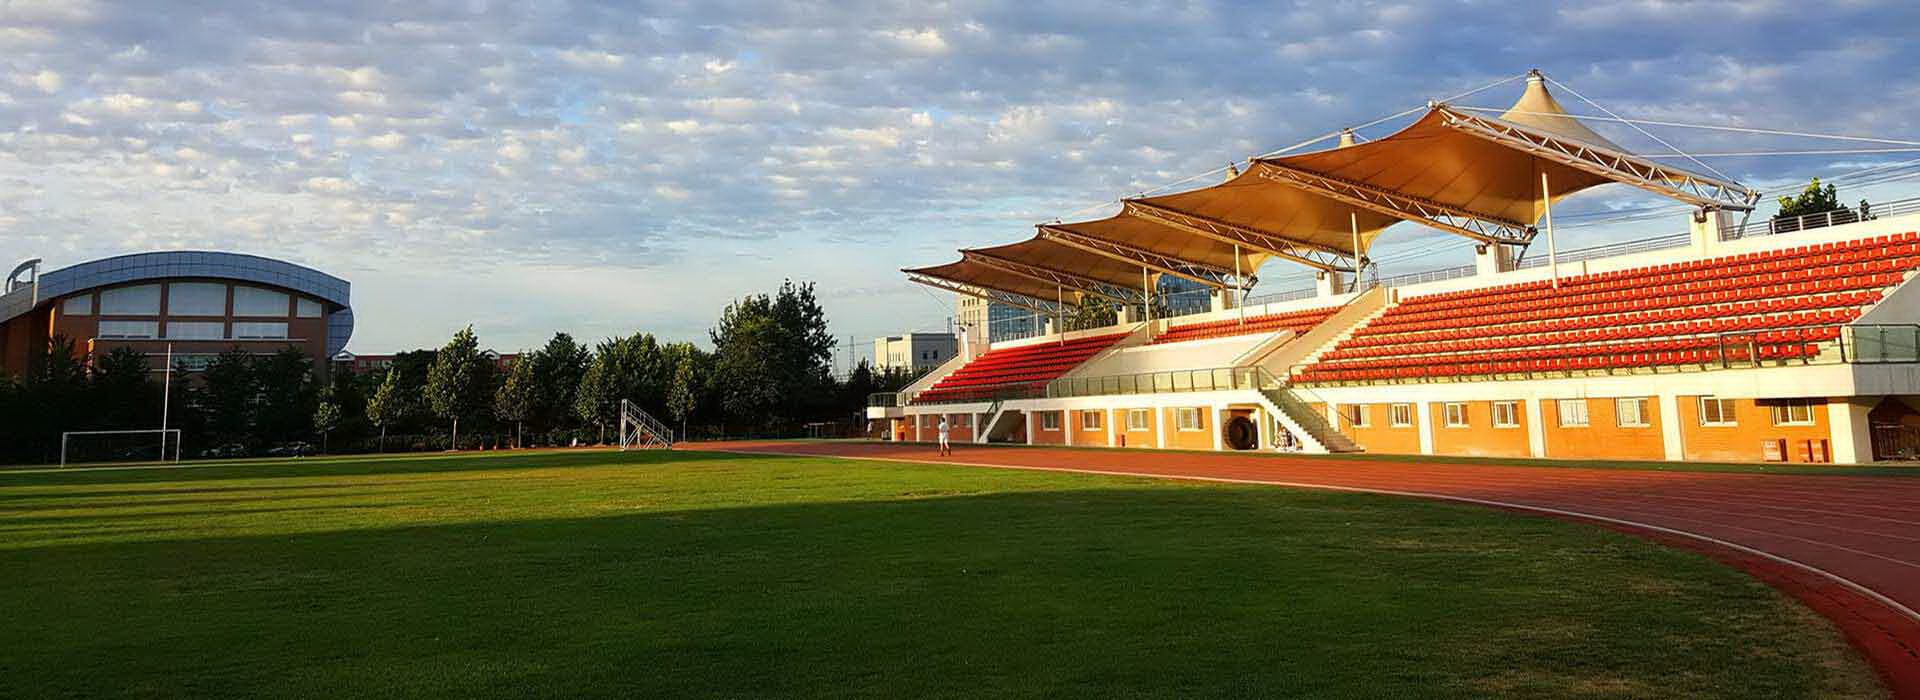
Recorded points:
1088,437
959,427
1378,436
1742,442
1603,437
1201,439
1134,438
1043,436
1479,438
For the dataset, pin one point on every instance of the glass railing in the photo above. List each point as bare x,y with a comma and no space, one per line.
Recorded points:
1164,382
884,399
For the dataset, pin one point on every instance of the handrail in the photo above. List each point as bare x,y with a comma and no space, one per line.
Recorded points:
1835,217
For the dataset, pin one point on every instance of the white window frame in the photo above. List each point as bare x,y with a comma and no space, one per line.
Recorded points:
1145,422
1400,415
1783,412
1091,420
1455,414
1050,420
1640,405
1724,411
1359,418
1511,411
1580,418
1182,414
152,330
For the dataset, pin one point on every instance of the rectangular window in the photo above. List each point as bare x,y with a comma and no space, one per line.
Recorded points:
196,330
1717,411
1049,420
77,306
192,363
129,329
196,299
1793,412
1137,419
1357,415
1090,420
306,308
1189,418
141,300
1456,414
1506,414
1573,412
1630,413
260,330
254,301
1400,415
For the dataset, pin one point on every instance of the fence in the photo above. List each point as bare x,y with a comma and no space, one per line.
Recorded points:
1868,211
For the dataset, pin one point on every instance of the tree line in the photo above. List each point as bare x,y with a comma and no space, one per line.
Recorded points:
769,373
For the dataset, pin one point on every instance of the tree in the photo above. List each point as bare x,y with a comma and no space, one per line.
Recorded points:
557,369
1092,312
326,414
457,383
227,398
517,395
123,391
285,395
682,396
386,407
1812,200
772,357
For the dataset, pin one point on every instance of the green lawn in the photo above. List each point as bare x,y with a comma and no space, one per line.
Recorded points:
686,574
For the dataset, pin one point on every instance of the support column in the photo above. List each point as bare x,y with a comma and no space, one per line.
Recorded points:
1852,439
1068,426
1329,283
1224,299
1423,420
1160,427
1030,427
1219,425
1670,439
1109,416
1536,428
1703,230
1492,259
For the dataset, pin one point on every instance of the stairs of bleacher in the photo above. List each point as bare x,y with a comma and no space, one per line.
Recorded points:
1304,420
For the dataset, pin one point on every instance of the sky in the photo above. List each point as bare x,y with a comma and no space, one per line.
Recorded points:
606,168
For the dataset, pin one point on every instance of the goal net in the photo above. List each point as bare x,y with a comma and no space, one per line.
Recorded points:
150,445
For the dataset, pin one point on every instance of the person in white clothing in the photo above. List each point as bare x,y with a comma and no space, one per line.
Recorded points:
945,450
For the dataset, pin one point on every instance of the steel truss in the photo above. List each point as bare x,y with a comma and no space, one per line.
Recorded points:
1048,275
1698,190
1186,269
1040,306
1479,227
1315,256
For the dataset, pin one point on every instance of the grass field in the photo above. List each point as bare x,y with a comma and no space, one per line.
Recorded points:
588,574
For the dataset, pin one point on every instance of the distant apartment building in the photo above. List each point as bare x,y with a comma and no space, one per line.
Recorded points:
914,351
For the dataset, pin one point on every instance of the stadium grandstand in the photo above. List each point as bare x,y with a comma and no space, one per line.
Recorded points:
1785,339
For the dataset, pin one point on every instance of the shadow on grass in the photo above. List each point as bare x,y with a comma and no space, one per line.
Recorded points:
1218,591
353,465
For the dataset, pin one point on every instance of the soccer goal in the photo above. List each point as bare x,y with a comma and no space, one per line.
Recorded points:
640,431
148,445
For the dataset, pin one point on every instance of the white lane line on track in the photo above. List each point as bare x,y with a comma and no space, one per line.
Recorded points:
1849,584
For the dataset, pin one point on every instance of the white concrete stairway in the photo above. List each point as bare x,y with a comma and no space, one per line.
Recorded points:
1306,423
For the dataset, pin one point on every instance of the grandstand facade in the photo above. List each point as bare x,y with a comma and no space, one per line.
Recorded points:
1802,345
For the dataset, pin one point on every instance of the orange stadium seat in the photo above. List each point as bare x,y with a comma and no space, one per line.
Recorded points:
1773,305
1296,321
999,371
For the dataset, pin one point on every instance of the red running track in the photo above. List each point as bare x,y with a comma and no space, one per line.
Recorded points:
1847,546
